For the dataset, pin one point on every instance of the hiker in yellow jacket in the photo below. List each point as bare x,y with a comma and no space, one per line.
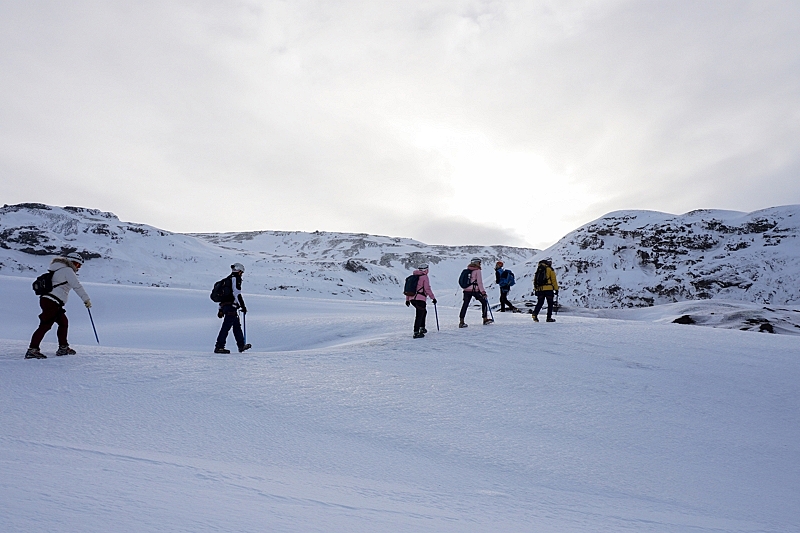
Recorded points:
545,286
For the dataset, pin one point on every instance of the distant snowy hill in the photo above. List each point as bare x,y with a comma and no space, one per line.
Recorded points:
624,259
644,258
339,265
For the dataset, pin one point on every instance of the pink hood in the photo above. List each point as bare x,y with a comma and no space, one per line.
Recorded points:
423,287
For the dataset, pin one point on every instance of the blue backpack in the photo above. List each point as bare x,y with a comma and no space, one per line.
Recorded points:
465,279
506,279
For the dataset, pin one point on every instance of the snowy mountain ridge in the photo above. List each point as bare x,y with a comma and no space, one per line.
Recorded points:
325,264
623,259
645,258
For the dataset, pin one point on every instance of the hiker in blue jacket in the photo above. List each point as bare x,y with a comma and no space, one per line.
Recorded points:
505,280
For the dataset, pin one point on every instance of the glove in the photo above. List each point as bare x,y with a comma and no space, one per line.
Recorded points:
88,304
408,303
220,314
244,310
556,293
433,301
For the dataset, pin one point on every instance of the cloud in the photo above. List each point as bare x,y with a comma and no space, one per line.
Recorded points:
367,116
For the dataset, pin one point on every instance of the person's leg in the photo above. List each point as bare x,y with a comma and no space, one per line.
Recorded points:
237,330
484,304
465,306
63,327
549,296
539,303
48,316
421,313
502,301
229,314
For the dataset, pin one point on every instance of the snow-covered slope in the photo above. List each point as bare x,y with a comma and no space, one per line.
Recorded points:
339,265
642,258
338,421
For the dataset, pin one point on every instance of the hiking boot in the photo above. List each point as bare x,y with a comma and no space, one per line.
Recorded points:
34,353
487,321
418,335
221,350
65,350
244,347
535,318
551,319
423,331
462,324
503,310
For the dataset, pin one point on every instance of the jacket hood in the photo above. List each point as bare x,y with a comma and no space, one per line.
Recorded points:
419,272
474,266
60,262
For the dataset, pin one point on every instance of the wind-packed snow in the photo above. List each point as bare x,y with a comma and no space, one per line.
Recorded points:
337,420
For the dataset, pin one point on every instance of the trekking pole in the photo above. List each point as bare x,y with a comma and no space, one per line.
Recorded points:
93,328
490,307
437,316
556,305
244,325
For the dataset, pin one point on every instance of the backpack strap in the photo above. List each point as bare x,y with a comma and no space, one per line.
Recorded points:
60,284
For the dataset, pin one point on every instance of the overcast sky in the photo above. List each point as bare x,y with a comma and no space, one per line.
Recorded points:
452,122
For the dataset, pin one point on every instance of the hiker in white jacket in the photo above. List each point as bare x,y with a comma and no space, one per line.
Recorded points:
65,278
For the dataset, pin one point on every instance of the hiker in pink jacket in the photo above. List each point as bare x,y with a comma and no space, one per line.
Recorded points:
419,300
475,290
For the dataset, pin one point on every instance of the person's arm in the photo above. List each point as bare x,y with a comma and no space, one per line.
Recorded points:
237,293
75,285
426,286
553,281
479,279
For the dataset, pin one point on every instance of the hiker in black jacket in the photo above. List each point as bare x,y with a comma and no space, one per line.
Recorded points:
229,310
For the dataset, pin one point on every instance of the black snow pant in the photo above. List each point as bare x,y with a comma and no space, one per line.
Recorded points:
468,296
52,313
504,300
231,320
541,295
422,312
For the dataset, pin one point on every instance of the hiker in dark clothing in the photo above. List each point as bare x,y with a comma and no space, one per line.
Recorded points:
545,286
504,279
229,310
475,290
419,299
64,278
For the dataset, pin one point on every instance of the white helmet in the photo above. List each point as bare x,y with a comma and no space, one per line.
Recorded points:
237,267
75,257
422,266
476,260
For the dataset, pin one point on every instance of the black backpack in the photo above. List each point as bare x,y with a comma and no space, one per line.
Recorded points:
465,279
410,288
44,283
223,290
540,278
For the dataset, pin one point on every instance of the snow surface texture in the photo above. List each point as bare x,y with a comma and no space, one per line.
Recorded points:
338,420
